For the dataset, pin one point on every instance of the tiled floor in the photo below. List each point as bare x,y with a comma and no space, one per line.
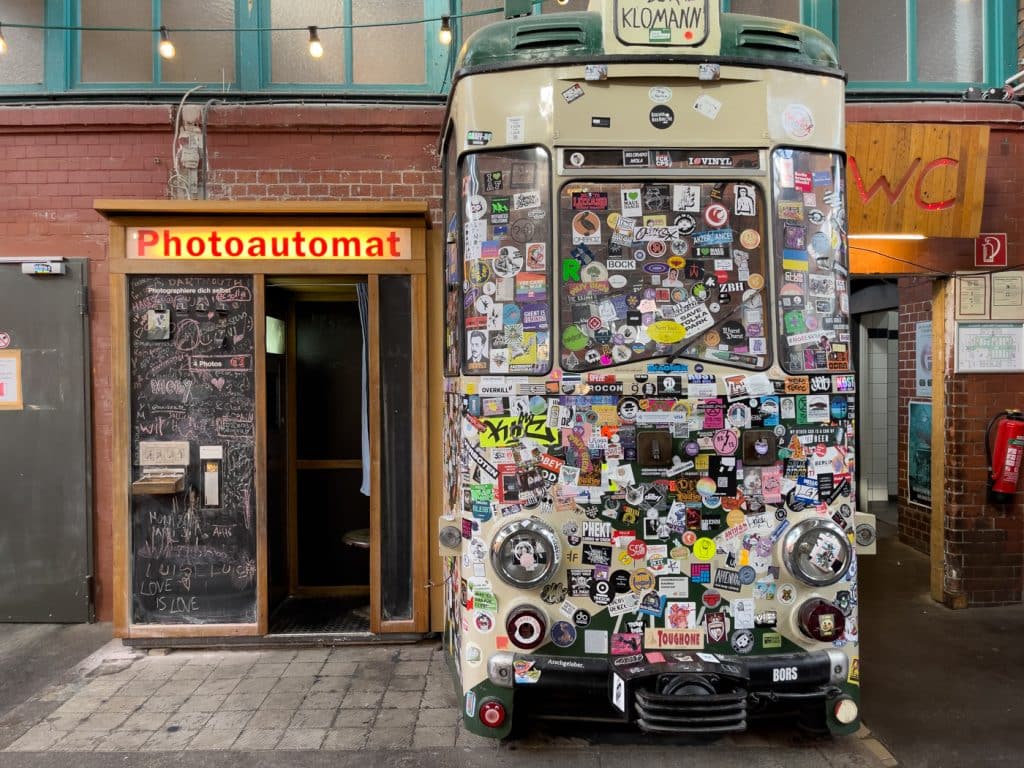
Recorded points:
341,698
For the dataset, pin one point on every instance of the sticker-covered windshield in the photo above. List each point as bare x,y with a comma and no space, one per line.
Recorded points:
662,269
811,255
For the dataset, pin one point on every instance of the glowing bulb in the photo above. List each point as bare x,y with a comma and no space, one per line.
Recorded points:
166,46
3,42
445,35
316,48
563,2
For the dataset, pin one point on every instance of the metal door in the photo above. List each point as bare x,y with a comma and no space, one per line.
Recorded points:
45,492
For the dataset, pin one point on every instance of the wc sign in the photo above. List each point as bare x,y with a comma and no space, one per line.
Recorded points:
990,250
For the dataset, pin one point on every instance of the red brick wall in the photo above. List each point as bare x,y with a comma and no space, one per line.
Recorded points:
915,307
55,161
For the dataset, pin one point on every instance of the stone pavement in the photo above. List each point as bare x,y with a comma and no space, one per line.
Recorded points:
381,701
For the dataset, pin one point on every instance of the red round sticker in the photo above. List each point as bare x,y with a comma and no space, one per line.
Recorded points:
636,549
5,340
716,215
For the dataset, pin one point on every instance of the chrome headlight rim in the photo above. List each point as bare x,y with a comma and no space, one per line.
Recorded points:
523,529
793,550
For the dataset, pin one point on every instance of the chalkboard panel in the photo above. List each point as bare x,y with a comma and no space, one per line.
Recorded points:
194,564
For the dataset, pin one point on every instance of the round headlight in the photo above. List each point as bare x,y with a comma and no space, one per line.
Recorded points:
817,552
526,553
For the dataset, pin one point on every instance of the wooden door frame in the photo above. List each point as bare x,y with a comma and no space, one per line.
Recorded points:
122,214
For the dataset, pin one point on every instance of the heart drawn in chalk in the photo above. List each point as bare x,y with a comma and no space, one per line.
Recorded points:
218,382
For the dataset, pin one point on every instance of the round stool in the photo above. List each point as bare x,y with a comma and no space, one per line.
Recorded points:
357,538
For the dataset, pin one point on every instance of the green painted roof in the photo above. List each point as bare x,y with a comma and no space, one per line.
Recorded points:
546,39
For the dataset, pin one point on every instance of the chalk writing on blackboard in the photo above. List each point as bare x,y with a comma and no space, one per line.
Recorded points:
192,564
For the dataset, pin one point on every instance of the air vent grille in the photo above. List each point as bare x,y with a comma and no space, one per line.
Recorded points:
768,39
532,38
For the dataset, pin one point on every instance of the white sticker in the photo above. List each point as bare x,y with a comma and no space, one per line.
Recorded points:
632,203
798,121
618,692
708,106
743,613
686,198
514,130
595,641
660,94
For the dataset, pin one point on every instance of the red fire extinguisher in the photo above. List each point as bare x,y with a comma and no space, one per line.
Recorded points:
1004,458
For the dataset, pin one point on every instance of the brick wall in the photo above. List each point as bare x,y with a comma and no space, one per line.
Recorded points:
915,307
984,550
55,161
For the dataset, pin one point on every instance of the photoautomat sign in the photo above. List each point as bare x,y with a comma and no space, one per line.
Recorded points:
274,243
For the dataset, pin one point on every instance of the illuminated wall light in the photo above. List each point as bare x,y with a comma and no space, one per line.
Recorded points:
3,42
445,35
316,48
166,46
563,2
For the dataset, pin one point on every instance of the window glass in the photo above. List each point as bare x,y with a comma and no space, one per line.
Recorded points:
388,54
950,41
452,349
117,57
23,62
202,57
811,257
290,61
662,270
776,9
873,40
506,236
471,24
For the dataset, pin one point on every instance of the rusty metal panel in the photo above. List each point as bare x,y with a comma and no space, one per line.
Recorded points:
45,471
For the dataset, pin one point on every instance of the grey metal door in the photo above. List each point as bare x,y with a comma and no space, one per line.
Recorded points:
45,492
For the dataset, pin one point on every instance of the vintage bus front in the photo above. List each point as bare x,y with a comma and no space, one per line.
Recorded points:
649,396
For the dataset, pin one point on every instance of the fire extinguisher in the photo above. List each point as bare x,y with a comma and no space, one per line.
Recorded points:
1004,459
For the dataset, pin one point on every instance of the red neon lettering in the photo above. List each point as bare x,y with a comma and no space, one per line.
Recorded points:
942,204
196,246
881,183
147,238
317,246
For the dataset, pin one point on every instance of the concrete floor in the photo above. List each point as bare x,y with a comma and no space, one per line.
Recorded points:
940,687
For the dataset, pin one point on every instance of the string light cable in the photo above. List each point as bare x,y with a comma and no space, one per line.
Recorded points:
164,30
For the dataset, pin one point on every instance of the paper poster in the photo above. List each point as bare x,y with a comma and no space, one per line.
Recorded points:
10,380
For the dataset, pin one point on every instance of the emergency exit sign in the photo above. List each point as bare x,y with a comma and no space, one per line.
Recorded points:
990,250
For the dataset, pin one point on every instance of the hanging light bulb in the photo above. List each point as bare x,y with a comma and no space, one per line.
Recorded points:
3,42
316,48
445,35
166,46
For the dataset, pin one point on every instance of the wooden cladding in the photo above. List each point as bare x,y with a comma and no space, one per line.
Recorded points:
916,178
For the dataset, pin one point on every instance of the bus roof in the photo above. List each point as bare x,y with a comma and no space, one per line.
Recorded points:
553,38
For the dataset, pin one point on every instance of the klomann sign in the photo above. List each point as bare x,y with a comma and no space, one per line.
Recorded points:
274,243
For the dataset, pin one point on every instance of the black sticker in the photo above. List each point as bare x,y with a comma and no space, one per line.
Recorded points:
620,582
600,592
600,122
662,117
581,618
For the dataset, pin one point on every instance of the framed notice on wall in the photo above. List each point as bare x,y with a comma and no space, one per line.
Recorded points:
10,380
919,453
989,348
